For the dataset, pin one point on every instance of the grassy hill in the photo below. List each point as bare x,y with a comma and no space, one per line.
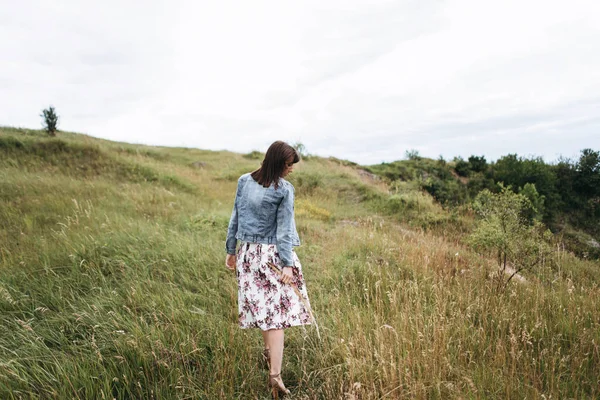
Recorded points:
112,285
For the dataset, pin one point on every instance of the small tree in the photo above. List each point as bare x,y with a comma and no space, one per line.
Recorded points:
462,167
504,229
301,149
412,154
478,164
536,211
50,122
588,173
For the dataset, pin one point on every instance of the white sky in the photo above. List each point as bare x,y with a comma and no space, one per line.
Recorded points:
360,80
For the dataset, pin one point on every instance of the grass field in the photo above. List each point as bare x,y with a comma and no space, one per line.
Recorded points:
113,285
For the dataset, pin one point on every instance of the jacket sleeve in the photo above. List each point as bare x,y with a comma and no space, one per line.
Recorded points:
231,241
285,227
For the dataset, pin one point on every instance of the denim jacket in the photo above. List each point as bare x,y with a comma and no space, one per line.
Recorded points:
264,215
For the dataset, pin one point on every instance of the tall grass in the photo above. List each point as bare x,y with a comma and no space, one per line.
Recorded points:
113,286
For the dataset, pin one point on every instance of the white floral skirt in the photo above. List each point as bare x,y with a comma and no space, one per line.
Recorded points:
263,301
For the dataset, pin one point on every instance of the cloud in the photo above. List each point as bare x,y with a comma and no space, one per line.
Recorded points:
353,79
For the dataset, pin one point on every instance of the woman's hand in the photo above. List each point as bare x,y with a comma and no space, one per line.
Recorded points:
230,262
286,275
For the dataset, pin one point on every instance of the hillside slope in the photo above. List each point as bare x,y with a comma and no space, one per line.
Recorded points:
112,284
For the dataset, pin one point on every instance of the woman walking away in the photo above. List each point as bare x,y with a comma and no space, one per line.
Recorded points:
271,291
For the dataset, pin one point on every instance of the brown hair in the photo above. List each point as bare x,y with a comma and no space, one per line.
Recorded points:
274,163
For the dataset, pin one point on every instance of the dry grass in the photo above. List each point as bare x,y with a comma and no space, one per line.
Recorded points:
113,286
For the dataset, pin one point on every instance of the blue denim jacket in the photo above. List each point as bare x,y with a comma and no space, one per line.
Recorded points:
264,215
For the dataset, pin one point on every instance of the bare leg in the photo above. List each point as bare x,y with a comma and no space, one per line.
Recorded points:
267,350
274,342
264,333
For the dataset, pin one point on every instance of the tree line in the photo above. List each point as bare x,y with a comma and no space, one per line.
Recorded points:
562,194
565,191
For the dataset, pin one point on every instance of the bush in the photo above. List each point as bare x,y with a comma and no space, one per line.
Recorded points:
517,171
306,183
587,182
254,155
50,122
504,230
478,182
412,154
447,192
478,164
301,149
536,211
462,167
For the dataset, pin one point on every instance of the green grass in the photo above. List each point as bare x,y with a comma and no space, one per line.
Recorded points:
112,285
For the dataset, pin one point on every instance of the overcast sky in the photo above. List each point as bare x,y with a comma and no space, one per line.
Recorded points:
360,80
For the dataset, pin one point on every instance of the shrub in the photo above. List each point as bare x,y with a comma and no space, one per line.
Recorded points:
254,155
536,211
412,154
462,167
301,149
306,183
503,228
478,164
517,171
50,122
587,181
447,192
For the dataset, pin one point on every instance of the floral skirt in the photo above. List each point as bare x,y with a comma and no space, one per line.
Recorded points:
263,301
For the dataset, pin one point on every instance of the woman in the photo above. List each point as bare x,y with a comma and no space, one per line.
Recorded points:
271,291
